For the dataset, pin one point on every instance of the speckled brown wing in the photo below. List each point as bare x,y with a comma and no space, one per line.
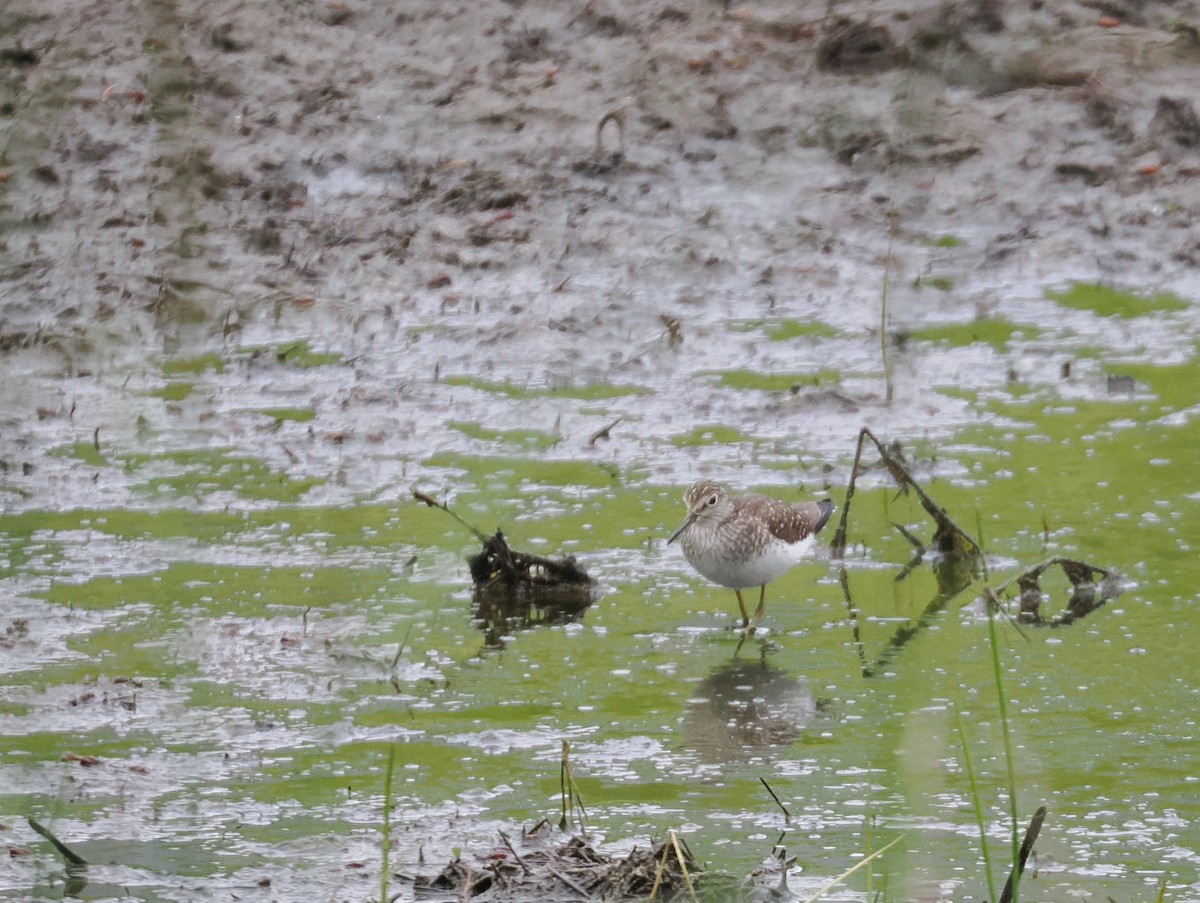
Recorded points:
793,523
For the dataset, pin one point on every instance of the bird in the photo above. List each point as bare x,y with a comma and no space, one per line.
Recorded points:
741,541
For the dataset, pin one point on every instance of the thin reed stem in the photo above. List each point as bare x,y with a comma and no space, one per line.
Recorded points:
1008,753
883,309
386,869
978,805
982,547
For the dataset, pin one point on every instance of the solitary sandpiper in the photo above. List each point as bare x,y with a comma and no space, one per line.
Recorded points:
746,540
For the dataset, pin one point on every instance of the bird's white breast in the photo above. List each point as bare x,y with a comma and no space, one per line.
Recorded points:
743,571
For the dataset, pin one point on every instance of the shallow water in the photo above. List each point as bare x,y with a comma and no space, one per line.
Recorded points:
229,598
269,267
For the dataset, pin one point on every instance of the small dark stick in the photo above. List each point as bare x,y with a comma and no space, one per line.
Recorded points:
1031,833
603,434
787,815
516,855
434,503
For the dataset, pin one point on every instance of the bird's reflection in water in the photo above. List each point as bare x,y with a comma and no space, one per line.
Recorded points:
746,706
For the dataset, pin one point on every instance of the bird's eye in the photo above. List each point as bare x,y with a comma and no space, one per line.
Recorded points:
712,500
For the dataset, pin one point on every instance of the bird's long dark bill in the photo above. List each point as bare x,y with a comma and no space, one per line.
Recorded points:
687,523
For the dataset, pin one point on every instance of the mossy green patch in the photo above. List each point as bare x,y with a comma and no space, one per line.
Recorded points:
251,591
83,451
941,283
13,708
174,391
204,471
341,527
533,439
1070,419
773,382
944,241
592,392
1110,302
710,435
997,333
515,471
193,365
296,415
783,330
300,354
960,392
1177,386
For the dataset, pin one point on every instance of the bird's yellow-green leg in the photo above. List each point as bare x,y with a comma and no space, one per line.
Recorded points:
762,603
742,606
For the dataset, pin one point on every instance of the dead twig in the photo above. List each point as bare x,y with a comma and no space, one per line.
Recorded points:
617,116
434,503
603,433
786,815
516,855
948,538
575,886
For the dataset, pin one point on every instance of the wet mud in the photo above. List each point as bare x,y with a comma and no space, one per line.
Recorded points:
417,193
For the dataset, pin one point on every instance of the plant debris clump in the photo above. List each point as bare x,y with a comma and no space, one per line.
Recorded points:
498,563
570,871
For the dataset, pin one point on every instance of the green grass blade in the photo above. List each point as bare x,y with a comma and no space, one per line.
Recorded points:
385,870
850,871
978,804
1008,753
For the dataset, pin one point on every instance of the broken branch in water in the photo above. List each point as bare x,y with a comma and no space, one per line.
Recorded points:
948,538
497,562
955,567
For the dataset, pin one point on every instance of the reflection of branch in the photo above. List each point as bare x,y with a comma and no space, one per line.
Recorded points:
903,635
1086,597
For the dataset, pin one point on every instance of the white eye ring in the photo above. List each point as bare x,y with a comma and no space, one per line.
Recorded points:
712,500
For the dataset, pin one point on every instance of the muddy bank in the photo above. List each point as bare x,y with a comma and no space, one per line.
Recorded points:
418,192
